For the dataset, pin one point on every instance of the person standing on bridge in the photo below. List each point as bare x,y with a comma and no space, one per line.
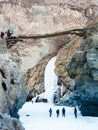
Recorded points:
9,33
2,34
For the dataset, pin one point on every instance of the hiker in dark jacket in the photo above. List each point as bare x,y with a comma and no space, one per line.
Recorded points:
50,112
63,112
9,33
57,112
75,112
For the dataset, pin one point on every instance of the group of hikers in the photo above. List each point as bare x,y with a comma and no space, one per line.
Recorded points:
8,33
63,112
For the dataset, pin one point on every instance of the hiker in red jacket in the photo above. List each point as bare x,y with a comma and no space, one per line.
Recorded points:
2,34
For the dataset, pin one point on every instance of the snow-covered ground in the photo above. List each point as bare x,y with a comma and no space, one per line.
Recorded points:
35,116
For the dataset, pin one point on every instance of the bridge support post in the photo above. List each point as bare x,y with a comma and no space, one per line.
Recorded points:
3,46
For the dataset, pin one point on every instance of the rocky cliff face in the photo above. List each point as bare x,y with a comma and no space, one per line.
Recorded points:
63,59
13,93
83,68
39,18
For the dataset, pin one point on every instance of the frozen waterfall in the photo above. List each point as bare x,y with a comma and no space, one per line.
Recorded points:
50,80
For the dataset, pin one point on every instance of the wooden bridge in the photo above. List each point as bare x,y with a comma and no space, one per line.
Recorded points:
80,32
12,40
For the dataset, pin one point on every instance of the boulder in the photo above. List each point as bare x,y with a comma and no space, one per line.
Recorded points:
9,123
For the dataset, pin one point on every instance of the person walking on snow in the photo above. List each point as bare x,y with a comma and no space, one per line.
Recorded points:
57,112
75,112
63,112
50,112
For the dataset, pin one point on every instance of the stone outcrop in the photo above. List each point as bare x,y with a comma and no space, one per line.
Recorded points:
63,59
64,56
83,68
9,123
12,89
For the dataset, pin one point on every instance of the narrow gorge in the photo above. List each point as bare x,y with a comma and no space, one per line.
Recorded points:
23,63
